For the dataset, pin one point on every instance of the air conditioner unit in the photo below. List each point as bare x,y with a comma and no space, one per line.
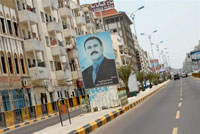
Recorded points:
24,83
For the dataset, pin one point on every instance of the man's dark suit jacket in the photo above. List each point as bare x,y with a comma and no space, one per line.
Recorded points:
107,71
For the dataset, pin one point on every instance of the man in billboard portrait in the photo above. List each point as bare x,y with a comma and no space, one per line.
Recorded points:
102,69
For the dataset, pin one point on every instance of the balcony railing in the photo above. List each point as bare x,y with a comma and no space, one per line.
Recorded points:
58,50
61,75
33,45
28,14
69,32
54,26
80,20
39,73
65,12
48,4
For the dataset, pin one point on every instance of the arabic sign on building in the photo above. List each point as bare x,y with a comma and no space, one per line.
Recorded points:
104,5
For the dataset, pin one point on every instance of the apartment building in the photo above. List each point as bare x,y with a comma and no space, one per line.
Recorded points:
49,29
119,23
121,51
16,91
142,57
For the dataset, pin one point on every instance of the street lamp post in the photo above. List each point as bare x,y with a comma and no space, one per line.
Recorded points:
149,36
133,18
159,50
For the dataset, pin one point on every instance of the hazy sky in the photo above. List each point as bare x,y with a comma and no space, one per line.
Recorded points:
177,22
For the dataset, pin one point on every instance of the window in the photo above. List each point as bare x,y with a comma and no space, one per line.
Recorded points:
58,66
3,63
52,66
112,20
16,63
46,16
114,30
58,94
73,65
9,27
108,21
42,16
6,100
3,25
16,28
29,63
22,64
47,41
10,63
18,99
117,19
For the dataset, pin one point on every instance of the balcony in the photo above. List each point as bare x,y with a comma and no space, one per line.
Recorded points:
73,5
76,75
69,33
48,4
33,45
80,20
73,53
39,73
65,12
58,50
28,15
63,75
89,23
69,46
54,26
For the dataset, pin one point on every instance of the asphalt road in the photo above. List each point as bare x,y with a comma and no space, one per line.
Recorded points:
28,129
175,109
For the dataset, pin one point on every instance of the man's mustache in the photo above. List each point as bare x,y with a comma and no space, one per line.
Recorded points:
94,52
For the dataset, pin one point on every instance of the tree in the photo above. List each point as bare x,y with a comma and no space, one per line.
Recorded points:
156,78
150,77
140,78
124,73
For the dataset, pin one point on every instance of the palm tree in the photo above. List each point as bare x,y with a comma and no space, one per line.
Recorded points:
124,73
140,78
150,77
156,78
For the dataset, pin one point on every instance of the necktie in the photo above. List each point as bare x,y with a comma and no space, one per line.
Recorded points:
94,72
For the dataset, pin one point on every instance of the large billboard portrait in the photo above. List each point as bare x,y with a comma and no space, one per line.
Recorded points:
195,55
97,60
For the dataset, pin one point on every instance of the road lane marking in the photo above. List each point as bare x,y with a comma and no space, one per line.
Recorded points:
181,99
180,103
178,114
175,131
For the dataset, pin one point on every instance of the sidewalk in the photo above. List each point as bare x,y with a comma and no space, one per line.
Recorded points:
79,121
195,78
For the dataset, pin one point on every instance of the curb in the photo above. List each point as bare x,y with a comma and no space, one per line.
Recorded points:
34,120
88,128
196,78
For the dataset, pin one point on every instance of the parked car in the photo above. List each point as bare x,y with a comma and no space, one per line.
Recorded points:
184,75
176,76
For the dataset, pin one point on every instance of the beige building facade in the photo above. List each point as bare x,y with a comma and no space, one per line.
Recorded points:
15,82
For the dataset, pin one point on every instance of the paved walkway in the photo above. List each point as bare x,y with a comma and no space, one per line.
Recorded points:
83,119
